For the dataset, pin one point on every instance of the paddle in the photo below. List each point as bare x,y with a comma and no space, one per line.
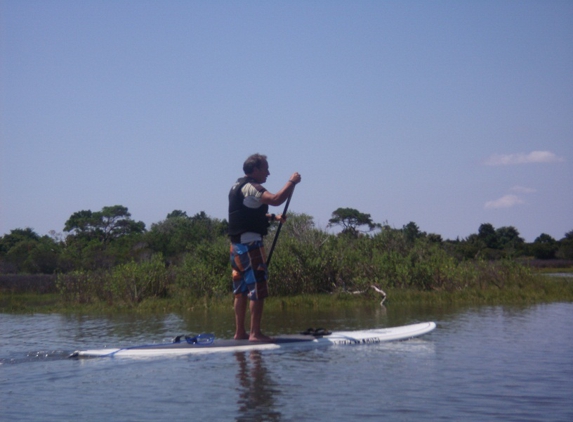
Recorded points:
278,230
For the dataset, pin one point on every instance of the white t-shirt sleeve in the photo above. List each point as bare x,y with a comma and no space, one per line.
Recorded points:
252,193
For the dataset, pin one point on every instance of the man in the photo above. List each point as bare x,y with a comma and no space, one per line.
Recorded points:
248,222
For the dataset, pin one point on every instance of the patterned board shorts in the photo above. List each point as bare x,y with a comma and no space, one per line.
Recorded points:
250,275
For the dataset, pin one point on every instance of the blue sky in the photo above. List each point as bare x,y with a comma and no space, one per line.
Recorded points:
446,113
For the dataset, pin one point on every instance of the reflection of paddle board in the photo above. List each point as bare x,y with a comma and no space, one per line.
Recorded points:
287,341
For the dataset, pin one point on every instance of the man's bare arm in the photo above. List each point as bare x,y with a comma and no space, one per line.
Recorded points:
276,199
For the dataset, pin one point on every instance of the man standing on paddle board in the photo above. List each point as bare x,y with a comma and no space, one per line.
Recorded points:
248,222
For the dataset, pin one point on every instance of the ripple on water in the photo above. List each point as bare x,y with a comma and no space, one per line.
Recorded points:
485,363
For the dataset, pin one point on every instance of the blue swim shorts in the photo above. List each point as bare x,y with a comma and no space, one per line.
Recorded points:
250,275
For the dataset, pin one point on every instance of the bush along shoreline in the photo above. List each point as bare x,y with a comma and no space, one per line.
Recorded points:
306,262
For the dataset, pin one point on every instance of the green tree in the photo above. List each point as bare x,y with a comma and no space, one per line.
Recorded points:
508,238
350,220
83,225
544,238
23,250
302,228
470,247
205,228
179,233
106,225
101,239
435,238
16,236
544,247
412,232
565,250
116,222
177,213
488,235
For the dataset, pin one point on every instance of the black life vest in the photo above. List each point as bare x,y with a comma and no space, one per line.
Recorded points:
243,219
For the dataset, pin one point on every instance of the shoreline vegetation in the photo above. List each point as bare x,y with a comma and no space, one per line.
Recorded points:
40,295
182,264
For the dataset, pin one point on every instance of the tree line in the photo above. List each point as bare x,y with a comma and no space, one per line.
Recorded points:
104,239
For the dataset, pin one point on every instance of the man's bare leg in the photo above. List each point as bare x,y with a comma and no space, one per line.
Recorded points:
240,311
256,308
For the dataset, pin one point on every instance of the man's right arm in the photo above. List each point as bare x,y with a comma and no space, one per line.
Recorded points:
276,199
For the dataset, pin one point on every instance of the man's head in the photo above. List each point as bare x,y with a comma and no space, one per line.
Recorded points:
257,167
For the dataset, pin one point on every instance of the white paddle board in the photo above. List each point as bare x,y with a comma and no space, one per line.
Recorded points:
206,344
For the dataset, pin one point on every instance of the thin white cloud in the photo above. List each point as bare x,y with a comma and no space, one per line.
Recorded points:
506,201
523,189
522,158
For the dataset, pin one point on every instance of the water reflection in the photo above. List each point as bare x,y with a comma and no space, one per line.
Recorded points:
257,391
481,363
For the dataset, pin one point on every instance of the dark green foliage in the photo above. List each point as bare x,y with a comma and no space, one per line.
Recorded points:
109,258
128,283
82,225
488,235
102,239
25,283
565,250
351,220
412,232
489,244
303,260
389,259
179,234
17,236
83,287
24,251
544,247
133,282
510,241
106,225
204,271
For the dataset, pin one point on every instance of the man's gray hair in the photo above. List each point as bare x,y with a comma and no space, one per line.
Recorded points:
254,161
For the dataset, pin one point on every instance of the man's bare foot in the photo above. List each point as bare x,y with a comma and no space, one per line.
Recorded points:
243,336
259,337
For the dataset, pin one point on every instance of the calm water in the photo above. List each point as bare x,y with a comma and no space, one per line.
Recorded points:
480,364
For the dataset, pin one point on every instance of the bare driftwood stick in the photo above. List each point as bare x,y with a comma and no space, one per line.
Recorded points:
375,288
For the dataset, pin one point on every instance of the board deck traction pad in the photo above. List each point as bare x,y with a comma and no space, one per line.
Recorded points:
205,343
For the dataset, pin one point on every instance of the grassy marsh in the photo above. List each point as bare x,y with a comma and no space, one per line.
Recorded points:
538,289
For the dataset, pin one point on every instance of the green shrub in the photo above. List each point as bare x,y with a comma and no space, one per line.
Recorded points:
205,271
133,282
306,261
83,287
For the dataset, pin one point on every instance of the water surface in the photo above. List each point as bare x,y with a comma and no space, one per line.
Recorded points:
484,363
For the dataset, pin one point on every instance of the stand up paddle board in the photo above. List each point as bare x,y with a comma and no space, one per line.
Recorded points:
206,343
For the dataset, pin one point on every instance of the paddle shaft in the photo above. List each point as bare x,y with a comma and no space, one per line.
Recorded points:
278,230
